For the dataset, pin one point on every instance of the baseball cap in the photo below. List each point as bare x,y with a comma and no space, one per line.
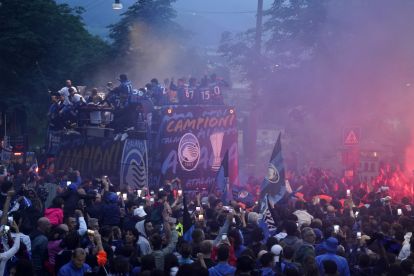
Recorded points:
140,212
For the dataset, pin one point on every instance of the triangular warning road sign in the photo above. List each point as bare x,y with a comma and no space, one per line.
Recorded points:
351,138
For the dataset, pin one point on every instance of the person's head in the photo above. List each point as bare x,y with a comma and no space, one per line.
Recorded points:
288,252
43,225
156,241
308,235
131,235
22,267
149,228
93,224
245,264
94,91
123,78
185,250
291,228
162,196
197,235
147,262
267,260
223,252
72,223
170,261
120,265
71,241
78,257
71,91
68,83
330,267
106,232
205,248
58,202
6,186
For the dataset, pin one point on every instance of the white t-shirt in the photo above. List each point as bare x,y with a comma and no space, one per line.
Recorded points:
65,92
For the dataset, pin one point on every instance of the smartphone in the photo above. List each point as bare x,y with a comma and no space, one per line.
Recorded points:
160,189
358,235
200,217
10,219
91,232
399,211
139,192
118,193
124,196
6,228
224,237
336,228
198,209
68,183
180,192
152,199
356,214
348,192
234,220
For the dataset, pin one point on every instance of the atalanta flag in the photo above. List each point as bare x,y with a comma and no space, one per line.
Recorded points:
273,187
223,180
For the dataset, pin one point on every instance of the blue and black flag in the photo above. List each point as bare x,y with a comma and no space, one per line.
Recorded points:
188,225
223,180
273,188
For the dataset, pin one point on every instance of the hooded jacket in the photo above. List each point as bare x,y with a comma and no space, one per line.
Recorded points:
55,215
143,243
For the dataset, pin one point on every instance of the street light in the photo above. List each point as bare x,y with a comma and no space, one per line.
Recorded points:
117,5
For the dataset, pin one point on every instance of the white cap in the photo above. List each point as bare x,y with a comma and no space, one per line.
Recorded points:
276,250
140,212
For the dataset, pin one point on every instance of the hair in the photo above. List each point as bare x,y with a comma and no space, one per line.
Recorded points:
266,259
223,253
197,235
170,260
71,241
299,205
78,251
363,260
147,262
6,186
288,252
291,227
24,267
120,265
57,202
156,241
206,247
270,242
185,249
245,264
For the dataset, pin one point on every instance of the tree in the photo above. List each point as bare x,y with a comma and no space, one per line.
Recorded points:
42,44
291,37
148,42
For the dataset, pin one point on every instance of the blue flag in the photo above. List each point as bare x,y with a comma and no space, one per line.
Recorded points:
273,187
223,183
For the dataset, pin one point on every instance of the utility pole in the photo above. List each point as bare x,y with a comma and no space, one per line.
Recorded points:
253,116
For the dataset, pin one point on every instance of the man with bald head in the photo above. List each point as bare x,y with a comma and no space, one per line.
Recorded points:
39,245
77,265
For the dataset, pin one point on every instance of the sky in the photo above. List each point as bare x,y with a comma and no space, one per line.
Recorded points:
206,19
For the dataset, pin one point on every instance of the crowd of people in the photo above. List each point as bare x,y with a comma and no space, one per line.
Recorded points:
70,109
61,224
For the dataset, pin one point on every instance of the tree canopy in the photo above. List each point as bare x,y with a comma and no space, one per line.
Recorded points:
42,44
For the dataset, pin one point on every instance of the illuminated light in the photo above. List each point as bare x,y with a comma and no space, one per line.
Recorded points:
117,5
231,111
169,111
18,154
37,170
